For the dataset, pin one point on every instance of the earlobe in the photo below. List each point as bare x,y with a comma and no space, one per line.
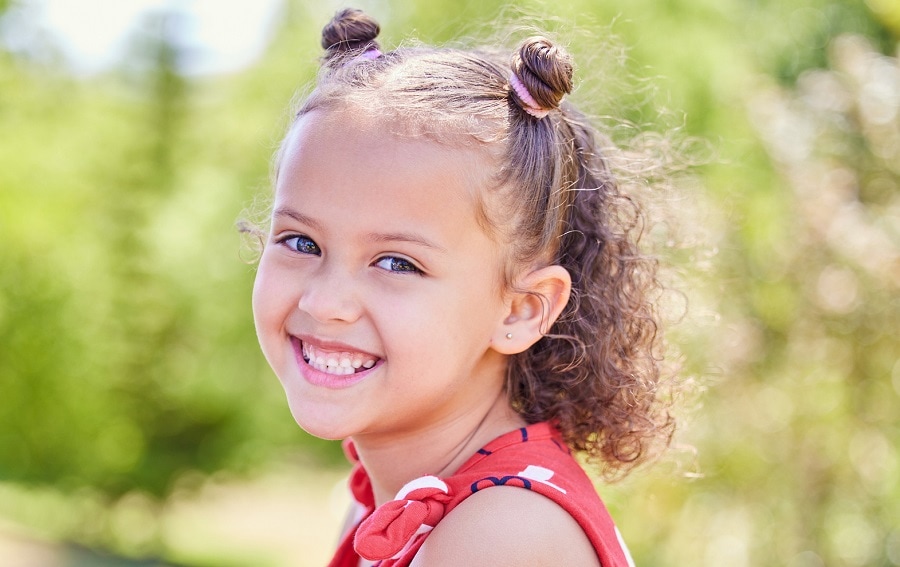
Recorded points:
536,302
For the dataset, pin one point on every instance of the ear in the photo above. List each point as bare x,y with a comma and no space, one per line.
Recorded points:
534,305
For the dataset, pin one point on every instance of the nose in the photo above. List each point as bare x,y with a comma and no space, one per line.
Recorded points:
329,295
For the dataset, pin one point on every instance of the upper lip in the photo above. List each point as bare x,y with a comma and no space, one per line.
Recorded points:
332,345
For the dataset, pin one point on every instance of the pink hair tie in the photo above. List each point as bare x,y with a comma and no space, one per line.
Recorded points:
371,54
531,105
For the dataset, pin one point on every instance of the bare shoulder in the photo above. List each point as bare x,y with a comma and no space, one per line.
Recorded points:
506,525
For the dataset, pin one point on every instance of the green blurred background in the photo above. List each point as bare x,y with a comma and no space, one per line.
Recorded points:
139,423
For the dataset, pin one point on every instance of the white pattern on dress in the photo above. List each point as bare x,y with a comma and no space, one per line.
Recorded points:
541,475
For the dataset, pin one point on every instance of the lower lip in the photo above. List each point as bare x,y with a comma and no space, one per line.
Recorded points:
323,379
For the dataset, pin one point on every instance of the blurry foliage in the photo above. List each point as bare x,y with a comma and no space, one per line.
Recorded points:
127,355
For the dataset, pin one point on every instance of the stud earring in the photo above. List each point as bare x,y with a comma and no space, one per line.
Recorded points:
508,335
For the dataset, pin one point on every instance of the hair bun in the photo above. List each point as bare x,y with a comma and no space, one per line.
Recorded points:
349,30
545,70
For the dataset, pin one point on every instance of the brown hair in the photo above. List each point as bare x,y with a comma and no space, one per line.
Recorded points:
349,31
555,200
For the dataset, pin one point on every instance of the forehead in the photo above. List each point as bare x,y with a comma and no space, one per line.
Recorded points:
352,160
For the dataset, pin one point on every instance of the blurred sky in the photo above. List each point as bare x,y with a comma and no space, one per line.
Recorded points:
91,35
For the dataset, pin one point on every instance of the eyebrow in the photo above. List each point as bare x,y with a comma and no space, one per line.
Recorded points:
298,216
409,237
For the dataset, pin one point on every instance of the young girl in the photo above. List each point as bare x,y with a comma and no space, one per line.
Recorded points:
452,285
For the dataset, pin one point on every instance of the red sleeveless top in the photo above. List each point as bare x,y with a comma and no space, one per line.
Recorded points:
534,458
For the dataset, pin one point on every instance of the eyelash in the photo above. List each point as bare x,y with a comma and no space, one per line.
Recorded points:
406,266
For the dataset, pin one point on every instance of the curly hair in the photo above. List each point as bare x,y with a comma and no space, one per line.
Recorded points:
554,199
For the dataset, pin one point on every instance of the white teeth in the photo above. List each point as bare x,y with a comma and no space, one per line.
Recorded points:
339,364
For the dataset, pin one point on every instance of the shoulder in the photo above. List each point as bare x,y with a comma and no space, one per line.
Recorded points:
506,525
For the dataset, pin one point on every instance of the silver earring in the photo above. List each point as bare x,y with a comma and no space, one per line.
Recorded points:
508,335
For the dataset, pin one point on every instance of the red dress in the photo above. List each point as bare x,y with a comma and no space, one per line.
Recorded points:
533,458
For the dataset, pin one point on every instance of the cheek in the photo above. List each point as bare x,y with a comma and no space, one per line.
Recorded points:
465,311
268,296
481,288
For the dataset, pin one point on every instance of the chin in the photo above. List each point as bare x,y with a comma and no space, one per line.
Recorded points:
318,424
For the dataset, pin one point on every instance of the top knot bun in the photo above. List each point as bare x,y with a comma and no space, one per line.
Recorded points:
545,70
349,30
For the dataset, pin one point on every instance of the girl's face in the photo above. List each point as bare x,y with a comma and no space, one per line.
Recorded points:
378,295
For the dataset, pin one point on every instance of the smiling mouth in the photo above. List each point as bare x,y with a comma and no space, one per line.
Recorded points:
341,363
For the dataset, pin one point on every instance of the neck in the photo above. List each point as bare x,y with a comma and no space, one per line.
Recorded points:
438,451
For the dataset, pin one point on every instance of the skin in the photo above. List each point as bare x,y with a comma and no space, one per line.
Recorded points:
375,253
507,526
